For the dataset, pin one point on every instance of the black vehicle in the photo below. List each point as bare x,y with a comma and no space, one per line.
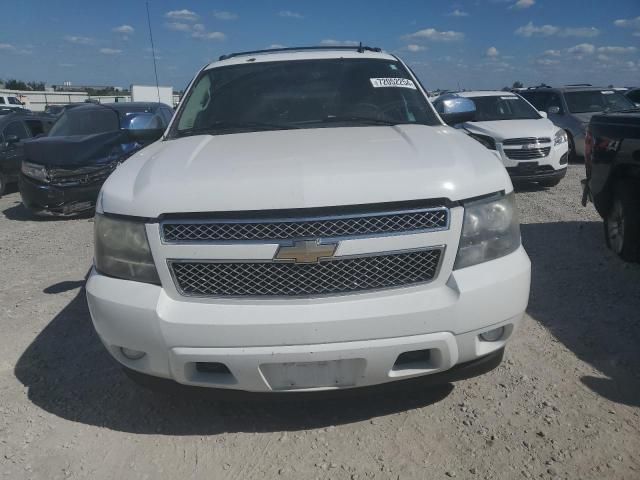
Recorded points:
62,173
612,161
58,110
15,129
633,95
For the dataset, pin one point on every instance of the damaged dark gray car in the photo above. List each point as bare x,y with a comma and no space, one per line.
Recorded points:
63,172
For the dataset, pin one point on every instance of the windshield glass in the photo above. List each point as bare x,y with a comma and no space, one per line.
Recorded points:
302,94
14,101
503,107
597,101
82,121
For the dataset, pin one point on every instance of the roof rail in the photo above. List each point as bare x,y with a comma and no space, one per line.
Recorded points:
578,85
359,48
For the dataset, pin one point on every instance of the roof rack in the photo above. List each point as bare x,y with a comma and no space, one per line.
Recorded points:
579,85
359,48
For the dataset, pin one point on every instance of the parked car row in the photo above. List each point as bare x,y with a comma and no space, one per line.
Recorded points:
61,166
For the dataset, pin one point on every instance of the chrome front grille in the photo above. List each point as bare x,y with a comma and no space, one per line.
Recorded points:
327,277
527,154
212,230
526,141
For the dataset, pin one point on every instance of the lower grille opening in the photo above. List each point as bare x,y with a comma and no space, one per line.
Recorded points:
414,360
213,367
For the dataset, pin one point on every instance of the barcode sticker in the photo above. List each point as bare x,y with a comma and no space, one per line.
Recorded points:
392,82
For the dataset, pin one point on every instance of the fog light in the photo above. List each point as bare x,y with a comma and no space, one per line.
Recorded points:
132,354
492,335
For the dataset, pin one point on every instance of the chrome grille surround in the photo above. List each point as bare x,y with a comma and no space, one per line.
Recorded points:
333,276
527,154
526,140
212,230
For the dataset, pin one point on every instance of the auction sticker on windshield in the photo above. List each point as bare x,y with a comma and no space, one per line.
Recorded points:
392,82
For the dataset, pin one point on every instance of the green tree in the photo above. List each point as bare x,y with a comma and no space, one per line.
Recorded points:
517,84
13,84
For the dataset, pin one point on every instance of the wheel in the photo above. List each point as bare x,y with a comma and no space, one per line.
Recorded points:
622,222
3,183
552,182
572,156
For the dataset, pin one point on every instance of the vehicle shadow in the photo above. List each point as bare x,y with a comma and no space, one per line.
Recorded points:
590,301
20,213
69,373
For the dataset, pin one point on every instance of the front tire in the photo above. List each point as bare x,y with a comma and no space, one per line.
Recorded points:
622,222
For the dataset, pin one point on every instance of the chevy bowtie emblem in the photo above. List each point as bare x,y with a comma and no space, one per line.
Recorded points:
305,251
530,146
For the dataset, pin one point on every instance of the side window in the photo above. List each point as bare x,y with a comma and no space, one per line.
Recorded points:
1,100
17,129
166,114
35,126
554,100
438,106
634,96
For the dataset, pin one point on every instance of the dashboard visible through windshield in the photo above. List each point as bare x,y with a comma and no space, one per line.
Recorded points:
302,94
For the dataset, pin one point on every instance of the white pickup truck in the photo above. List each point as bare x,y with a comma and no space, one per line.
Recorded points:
308,222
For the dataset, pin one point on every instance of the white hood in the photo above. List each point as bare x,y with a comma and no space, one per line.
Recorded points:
302,169
502,129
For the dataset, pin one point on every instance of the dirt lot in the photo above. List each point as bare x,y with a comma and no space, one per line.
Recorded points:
565,403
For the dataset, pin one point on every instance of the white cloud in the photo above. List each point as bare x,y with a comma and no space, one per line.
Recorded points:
435,35
79,40
603,58
204,35
617,50
492,52
547,61
276,45
582,49
552,53
458,13
586,32
628,23
179,26
110,51
531,30
221,15
67,65
184,15
412,47
522,4
330,42
6,46
124,29
289,14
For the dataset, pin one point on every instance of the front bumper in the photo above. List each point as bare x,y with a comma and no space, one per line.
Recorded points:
552,166
340,342
535,175
41,197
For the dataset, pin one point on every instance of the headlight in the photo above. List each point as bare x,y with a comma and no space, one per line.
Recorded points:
485,140
490,230
35,171
122,250
560,137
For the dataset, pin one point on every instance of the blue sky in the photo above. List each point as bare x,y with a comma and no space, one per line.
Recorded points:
471,44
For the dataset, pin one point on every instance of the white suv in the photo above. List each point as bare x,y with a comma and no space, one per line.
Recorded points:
308,222
530,146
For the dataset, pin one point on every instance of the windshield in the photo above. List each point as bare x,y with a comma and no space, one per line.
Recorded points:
503,107
14,101
597,101
302,94
85,121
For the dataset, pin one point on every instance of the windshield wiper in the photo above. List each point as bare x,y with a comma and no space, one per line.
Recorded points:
225,125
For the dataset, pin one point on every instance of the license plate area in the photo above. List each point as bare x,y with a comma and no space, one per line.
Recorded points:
524,168
313,375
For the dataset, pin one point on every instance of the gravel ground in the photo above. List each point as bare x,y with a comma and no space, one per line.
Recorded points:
565,403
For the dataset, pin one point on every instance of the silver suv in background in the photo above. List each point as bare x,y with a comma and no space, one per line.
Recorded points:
572,107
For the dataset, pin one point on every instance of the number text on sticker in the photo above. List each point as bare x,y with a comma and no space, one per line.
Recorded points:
392,82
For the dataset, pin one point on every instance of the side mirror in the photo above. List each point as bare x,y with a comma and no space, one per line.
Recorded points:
542,113
458,110
554,110
12,139
145,135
